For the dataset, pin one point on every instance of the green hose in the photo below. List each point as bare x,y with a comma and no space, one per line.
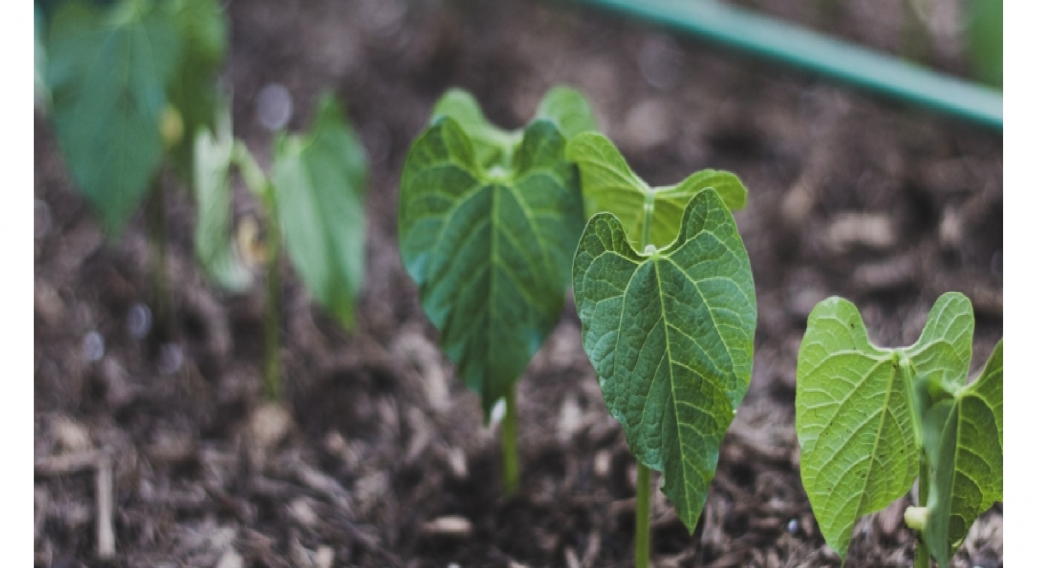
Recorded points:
767,37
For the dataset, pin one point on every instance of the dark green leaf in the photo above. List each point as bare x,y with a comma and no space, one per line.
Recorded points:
670,334
488,222
108,73
319,186
608,184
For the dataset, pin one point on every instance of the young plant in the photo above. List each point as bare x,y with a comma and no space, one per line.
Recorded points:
129,85
664,291
871,420
314,203
488,222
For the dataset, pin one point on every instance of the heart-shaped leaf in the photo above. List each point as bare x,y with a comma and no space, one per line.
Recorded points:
608,184
670,334
856,411
319,186
488,221
108,72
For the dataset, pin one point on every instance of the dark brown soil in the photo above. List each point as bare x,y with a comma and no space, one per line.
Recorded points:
384,460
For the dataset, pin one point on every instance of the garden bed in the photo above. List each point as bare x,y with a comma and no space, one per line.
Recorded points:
383,458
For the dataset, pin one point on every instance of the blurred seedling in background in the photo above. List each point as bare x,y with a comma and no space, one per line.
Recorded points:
488,221
127,85
131,86
313,201
872,420
664,291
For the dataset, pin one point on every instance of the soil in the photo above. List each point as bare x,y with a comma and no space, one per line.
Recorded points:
379,457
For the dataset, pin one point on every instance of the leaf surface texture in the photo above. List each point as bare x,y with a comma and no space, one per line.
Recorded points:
670,335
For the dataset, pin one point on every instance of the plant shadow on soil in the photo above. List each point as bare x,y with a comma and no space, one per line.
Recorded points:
384,459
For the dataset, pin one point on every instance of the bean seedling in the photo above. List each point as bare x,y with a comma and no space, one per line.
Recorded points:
314,202
128,86
488,221
871,420
664,292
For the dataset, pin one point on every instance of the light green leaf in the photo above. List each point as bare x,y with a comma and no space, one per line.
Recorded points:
966,473
853,416
108,72
487,230
608,184
569,110
856,408
213,245
319,185
491,145
670,334
202,28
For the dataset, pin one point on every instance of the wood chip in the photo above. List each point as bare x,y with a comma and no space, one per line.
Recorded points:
70,436
601,464
106,534
871,230
451,527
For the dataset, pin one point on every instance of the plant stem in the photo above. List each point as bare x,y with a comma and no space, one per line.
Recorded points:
272,307
922,556
160,280
642,516
510,458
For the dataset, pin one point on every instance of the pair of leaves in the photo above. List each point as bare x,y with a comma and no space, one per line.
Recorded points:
111,72
669,332
488,223
964,445
650,214
864,414
315,195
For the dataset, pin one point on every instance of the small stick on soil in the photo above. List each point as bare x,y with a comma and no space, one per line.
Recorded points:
67,463
106,534
101,462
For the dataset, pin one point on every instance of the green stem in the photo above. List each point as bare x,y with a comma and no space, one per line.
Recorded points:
510,458
272,308
258,183
922,556
160,279
648,218
642,517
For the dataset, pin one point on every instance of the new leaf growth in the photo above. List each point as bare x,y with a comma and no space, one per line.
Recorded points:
488,222
871,420
667,323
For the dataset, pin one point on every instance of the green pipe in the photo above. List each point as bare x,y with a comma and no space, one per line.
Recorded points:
767,37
